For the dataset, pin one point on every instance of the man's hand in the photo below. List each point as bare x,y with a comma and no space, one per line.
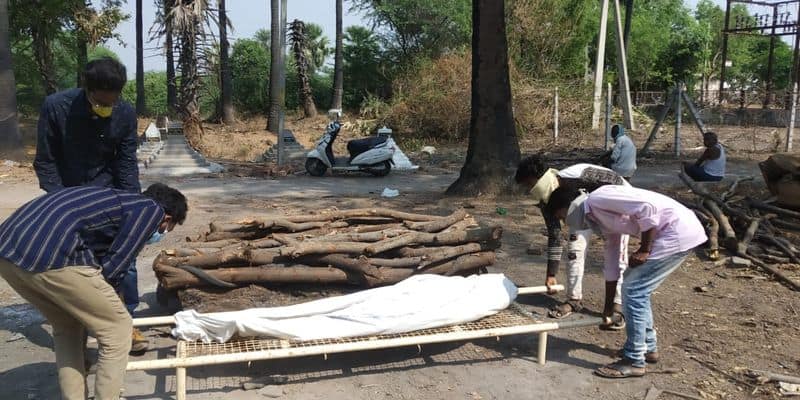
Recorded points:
550,282
638,258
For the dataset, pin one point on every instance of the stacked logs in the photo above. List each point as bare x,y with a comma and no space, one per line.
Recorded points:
765,232
365,247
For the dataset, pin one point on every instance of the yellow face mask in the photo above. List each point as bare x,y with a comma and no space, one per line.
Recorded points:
102,112
99,110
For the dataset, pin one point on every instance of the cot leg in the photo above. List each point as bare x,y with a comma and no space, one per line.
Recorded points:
180,383
542,354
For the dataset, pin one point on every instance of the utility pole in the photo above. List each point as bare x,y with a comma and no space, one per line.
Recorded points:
599,65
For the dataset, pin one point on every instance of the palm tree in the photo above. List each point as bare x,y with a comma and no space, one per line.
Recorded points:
10,141
297,38
317,47
140,105
338,73
224,67
493,147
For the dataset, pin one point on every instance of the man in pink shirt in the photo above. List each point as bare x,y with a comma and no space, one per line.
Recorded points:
668,231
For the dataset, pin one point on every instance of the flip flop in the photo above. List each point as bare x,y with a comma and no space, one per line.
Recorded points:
619,370
565,309
616,322
650,357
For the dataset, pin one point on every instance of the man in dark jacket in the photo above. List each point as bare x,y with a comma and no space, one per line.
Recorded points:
87,136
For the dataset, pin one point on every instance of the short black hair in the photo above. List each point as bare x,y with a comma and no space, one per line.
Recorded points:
530,167
171,200
104,73
712,136
561,198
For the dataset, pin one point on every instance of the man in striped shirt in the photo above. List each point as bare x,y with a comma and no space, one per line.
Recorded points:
66,251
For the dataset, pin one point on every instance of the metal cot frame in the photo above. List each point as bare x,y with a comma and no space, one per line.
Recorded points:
512,321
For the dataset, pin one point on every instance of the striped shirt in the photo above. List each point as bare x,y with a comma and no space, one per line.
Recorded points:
83,225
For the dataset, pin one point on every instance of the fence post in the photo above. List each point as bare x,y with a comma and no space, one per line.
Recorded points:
678,120
792,114
555,116
608,117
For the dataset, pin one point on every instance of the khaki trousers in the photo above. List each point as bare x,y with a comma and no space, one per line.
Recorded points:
76,299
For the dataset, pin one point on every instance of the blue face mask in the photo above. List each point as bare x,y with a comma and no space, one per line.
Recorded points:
157,236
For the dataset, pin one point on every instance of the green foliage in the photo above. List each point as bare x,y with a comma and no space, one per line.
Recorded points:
155,89
250,71
419,28
363,66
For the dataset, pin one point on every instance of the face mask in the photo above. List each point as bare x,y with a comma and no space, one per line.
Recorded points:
157,236
101,111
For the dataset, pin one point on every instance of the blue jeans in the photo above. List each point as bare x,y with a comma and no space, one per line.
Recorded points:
638,284
129,289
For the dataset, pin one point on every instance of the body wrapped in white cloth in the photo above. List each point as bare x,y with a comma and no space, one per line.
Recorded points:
419,302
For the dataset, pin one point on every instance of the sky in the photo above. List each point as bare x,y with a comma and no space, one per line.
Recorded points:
247,16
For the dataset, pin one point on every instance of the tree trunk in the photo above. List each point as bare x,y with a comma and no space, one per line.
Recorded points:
43,54
274,111
140,104
493,147
338,68
82,59
299,44
10,140
172,88
188,107
225,68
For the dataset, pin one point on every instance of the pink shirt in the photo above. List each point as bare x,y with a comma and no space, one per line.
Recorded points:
630,211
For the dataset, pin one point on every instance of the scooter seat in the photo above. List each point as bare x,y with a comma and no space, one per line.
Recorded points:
358,146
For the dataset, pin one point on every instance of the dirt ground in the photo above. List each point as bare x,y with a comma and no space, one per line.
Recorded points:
714,321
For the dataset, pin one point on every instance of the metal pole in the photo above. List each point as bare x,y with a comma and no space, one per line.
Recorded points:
792,114
608,116
555,116
724,51
771,59
622,71
678,121
599,65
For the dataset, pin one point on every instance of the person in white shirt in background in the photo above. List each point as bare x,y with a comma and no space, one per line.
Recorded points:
668,232
710,167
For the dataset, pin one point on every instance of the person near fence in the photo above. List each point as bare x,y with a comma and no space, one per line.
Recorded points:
66,251
710,167
622,157
88,136
541,182
668,232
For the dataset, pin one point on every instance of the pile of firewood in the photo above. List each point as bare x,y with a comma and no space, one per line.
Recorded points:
766,233
365,247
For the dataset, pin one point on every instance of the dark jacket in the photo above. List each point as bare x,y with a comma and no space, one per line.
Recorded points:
77,148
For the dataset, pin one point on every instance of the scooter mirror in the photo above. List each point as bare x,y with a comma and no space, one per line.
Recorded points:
335,114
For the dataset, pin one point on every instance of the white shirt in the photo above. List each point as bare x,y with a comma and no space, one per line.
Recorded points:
627,210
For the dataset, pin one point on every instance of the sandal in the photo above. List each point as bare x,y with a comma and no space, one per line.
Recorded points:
616,322
623,368
565,309
651,357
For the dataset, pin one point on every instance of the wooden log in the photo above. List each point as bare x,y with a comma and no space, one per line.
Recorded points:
235,227
360,265
773,209
766,376
304,248
728,234
216,236
779,223
700,191
172,278
360,236
440,224
362,212
479,235
210,244
463,263
783,246
726,195
713,233
741,247
779,275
